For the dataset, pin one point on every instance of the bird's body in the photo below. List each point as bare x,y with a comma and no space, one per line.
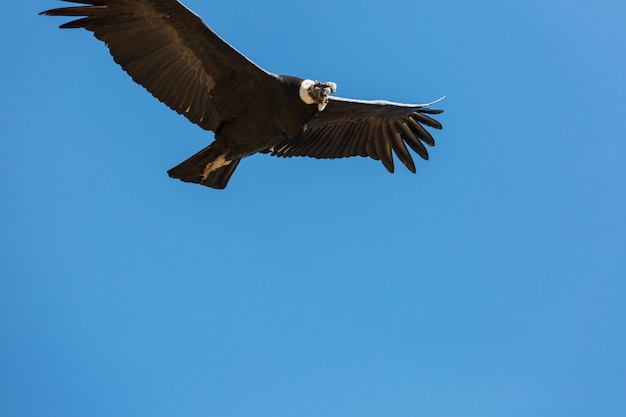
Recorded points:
174,55
276,114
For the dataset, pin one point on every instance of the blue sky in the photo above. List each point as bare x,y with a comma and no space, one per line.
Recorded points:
491,283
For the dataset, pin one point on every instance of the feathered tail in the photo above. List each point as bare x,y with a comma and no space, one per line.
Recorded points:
192,169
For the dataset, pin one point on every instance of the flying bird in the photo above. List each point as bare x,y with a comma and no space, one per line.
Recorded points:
172,53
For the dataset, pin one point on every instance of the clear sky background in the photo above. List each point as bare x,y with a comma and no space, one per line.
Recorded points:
491,283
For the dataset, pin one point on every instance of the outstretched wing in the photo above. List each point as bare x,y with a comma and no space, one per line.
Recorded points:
171,52
364,128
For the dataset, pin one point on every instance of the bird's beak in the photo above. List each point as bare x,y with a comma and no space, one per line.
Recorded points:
320,92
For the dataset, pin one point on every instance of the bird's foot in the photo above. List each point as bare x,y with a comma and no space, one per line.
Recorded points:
215,164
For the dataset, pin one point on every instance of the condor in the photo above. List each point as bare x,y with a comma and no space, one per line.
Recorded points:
169,50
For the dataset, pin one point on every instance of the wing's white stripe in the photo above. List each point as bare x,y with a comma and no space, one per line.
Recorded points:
385,102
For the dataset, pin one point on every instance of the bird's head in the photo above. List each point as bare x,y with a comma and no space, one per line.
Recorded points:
315,92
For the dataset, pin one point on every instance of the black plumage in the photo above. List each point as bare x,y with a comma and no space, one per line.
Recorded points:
171,52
